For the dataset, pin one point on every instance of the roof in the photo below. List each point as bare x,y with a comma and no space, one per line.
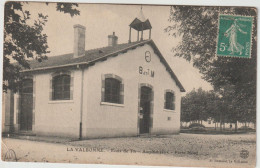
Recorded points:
95,55
141,16
140,23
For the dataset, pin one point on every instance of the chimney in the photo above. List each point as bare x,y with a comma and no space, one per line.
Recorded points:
112,40
79,40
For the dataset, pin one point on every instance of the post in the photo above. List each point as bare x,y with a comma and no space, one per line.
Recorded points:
142,35
129,41
137,35
150,31
80,130
81,102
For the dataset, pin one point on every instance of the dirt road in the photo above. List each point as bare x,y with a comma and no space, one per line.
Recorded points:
177,150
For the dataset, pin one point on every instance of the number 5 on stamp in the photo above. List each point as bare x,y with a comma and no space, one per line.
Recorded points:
234,36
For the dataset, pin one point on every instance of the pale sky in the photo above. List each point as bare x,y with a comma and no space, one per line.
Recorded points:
101,20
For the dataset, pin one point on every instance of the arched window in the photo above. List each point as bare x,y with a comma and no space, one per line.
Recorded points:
169,100
112,89
61,87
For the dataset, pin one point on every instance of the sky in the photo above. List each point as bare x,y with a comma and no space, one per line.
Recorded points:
102,20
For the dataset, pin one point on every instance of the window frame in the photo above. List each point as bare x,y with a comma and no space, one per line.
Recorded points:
166,101
120,91
112,90
69,85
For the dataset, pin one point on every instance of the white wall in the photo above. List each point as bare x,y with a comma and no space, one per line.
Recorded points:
7,111
106,120
56,118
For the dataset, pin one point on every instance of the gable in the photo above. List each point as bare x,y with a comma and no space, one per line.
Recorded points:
167,66
149,63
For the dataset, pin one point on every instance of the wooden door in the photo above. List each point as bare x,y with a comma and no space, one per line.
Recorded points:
145,109
26,105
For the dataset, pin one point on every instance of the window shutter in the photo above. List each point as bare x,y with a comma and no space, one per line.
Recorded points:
103,89
165,100
71,86
173,103
51,90
121,93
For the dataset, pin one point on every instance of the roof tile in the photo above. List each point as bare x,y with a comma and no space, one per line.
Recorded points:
90,55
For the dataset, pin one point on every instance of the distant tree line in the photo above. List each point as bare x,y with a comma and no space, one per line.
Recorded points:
200,105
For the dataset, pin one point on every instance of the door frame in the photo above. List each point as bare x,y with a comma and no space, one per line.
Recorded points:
19,110
151,107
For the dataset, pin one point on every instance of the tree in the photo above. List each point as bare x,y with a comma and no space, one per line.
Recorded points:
197,26
198,105
23,41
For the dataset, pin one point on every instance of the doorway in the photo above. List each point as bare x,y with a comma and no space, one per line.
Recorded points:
145,110
26,105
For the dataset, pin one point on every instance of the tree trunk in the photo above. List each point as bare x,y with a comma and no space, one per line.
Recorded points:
236,126
220,122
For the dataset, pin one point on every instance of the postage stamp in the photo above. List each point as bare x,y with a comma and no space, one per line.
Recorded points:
128,84
234,36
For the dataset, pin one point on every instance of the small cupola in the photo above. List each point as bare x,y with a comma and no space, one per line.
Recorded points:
112,40
140,24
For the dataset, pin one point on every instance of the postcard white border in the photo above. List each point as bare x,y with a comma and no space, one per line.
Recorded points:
249,3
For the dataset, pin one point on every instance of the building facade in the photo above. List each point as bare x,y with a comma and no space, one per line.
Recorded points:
119,90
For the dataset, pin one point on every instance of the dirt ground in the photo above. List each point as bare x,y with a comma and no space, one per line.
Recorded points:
171,150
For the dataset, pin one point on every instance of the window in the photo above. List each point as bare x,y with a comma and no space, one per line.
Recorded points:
112,89
61,87
169,101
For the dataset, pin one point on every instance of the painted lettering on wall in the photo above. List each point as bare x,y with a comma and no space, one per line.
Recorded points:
146,72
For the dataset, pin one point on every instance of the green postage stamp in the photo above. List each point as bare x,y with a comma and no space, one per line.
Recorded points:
234,36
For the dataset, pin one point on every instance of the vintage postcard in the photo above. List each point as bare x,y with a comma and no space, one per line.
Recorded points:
125,84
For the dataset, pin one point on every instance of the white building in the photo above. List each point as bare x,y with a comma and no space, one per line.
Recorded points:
118,90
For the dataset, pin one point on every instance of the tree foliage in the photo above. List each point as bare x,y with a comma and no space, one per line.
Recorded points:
23,40
199,105
197,27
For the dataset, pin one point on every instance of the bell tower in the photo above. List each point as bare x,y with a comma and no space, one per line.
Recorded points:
140,24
